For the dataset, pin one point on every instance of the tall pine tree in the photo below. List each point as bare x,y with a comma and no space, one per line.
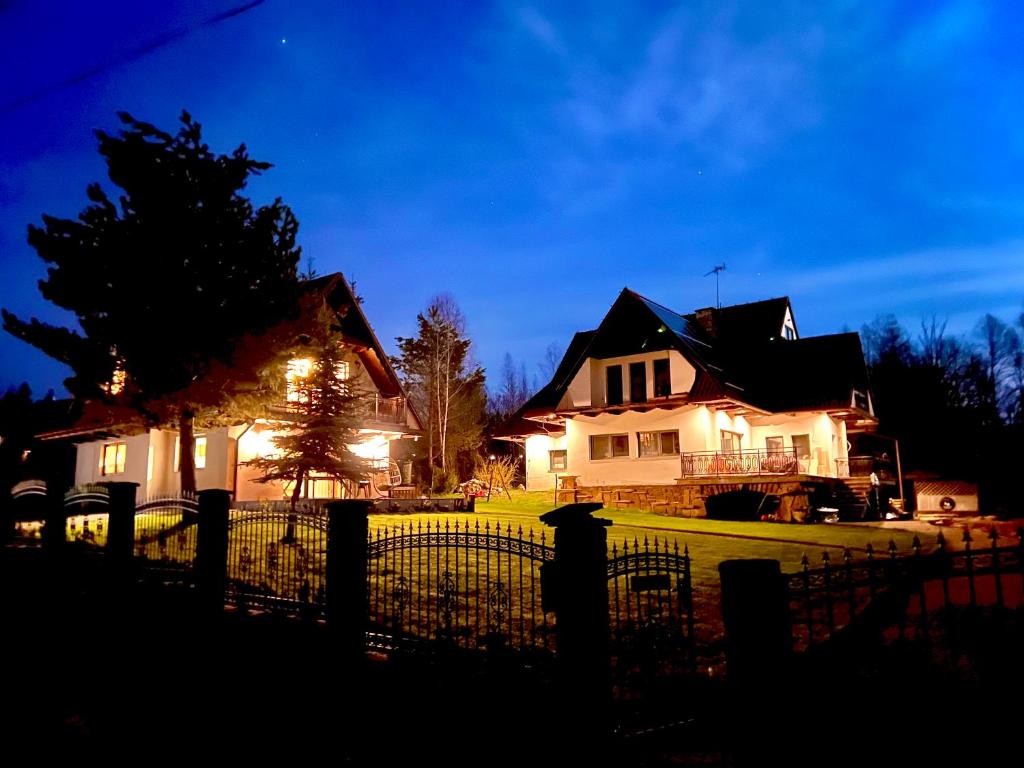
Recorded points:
166,281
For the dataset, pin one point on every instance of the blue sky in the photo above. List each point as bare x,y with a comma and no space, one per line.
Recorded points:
532,159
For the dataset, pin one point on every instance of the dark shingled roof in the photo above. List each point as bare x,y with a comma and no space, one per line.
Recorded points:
737,353
750,323
811,373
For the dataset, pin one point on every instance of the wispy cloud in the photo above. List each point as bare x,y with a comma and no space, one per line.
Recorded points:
690,81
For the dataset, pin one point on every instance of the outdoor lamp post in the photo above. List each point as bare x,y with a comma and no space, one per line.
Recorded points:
490,481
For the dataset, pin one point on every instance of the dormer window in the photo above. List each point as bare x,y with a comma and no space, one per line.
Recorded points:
638,382
662,378
613,384
788,332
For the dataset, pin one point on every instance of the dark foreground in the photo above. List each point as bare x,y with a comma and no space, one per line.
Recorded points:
96,674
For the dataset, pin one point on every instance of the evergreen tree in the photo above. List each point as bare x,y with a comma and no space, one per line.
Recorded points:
167,282
317,438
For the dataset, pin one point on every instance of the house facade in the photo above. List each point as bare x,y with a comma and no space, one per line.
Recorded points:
716,398
113,446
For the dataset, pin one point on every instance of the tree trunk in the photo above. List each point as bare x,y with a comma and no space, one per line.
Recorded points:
187,451
289,531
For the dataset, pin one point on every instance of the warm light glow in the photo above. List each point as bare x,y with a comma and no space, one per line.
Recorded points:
112,457
255,443
298,369
116,385
199,454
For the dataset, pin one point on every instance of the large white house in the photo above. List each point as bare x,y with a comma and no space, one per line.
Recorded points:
114,446
713,399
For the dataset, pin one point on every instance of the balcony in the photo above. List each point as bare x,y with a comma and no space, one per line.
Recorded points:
387,410
375,409
732,463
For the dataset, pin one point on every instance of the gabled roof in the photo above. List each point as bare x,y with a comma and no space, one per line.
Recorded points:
356,330
736,352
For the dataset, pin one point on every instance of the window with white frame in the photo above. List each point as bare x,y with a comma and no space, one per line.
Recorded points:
731,441
557,461
609,446
658,443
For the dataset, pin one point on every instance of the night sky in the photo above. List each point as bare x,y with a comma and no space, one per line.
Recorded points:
533,159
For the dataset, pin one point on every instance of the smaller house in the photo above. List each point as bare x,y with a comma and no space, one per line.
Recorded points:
114,445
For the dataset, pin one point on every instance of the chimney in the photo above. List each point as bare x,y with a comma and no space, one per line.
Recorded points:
706,317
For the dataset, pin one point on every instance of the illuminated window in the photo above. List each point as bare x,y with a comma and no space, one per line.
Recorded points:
321,486
200,453
112,458
557,460
658,443
609,446
299,370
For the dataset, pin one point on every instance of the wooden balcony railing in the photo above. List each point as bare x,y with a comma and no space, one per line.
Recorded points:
748,462
376,409
390,410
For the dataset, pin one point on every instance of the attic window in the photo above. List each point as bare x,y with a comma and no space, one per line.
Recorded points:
662,378
789,333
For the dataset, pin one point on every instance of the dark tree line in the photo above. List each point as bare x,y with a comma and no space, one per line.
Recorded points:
956,404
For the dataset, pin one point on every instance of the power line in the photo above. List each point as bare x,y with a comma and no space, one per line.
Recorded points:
129,56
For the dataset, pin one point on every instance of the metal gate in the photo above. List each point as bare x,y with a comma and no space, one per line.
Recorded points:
277,559
458,585
650,598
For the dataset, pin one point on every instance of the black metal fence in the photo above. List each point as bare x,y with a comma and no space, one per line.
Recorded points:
277,558
458,584
650,598
166,531
906,596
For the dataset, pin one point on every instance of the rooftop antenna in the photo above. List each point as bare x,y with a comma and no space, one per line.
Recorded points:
716,271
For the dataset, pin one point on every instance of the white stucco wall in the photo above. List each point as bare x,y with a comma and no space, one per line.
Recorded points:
579,390
539,476
136,461
691,423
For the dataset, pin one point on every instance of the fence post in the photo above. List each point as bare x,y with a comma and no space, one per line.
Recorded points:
577,586
54,531
6,516
120,523
758,643
212,551
347,544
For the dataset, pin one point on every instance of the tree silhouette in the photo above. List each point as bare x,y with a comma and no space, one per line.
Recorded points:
167,282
